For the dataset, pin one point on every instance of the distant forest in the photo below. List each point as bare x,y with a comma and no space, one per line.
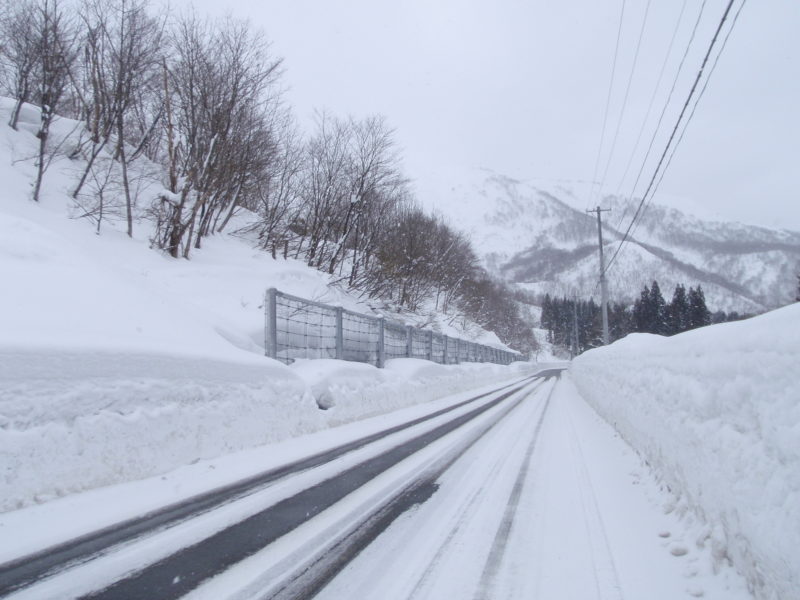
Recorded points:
197,105
577,325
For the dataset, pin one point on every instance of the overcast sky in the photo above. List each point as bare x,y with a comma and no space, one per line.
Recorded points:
520,87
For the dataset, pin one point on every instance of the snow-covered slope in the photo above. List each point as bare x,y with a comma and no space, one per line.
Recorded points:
716,411
117,362
542,239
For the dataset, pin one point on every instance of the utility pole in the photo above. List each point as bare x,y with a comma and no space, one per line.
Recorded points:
574,348
603,283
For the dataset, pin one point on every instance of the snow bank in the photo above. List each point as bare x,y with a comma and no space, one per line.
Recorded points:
352,391
74,420
716,411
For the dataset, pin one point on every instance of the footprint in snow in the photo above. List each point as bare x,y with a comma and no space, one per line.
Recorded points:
678,550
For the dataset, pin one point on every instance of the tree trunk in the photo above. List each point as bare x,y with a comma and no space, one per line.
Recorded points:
42,135
125,184
95,153
15,113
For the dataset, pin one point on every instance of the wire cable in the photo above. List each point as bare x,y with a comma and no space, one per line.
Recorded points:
674,131
664,109
694,108
608,104
652,101
625,98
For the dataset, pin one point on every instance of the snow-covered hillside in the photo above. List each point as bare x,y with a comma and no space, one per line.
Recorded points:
541,238
117,362
716,411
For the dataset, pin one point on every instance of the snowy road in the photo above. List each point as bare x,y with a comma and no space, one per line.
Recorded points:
549,504
522,492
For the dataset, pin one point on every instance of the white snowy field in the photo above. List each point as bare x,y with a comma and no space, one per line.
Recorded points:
716,412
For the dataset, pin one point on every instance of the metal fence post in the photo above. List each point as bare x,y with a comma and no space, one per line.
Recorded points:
429,344
381,344
457,350
444,352
271,323
409,341
339,334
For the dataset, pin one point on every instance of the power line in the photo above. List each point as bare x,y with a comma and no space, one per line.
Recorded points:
664,109
675,129
652,99
694,108
625,98
608,104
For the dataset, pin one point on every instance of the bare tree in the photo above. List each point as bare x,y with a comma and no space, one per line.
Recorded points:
55,45
349,185
403,270
325,187
122,53
104,191
375,179
454,265
19,49
221,104
278,194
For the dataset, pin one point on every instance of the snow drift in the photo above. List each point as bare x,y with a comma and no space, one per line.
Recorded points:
72,421
716,411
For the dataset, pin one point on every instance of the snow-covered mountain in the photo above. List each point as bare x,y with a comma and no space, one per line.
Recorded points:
542,239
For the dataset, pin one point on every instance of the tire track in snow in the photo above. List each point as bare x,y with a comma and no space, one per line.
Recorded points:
322,567
497,552
605,573
465,512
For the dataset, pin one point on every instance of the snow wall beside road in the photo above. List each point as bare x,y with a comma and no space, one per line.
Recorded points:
716,412
72,420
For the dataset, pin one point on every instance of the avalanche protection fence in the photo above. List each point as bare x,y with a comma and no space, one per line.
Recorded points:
298,328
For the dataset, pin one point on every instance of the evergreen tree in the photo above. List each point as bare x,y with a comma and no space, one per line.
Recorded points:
678,311
546,320
620,321
589,325
559,316
699,315
658,311
720,316
642,312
